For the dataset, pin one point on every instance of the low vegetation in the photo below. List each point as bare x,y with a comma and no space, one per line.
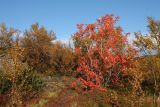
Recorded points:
100,69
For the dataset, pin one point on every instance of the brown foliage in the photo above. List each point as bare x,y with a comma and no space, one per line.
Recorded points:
6,38
37,43
64,59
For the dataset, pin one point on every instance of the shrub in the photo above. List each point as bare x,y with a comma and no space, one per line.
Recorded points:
105,57
29,83
63,59
6,38
5,84
22,79
37,43
149,47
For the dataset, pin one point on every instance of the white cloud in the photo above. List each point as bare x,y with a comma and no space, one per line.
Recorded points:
68,42
131,38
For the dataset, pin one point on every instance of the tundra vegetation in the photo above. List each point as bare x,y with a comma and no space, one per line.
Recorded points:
100,69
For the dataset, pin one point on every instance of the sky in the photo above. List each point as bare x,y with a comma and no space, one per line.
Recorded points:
62,16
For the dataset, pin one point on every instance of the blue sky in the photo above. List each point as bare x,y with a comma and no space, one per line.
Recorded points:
61,16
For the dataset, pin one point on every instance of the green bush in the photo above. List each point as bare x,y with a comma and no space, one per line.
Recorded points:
29,83
5,85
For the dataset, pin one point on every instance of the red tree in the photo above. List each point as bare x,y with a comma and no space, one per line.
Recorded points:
104,53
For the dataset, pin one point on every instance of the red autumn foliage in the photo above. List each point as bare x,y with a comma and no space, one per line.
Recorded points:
104,53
